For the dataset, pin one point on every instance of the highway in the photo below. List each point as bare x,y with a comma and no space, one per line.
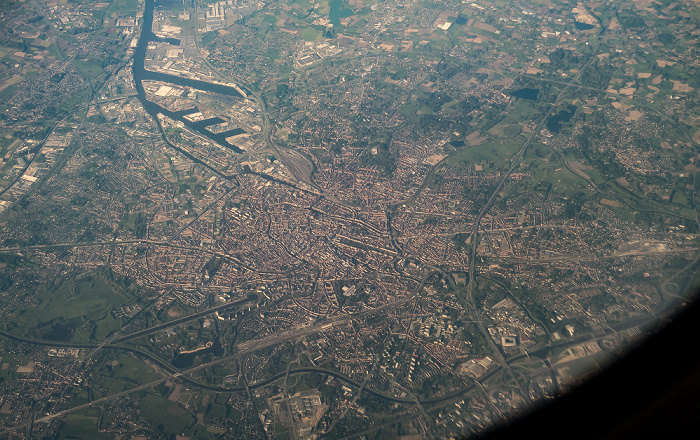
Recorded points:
251,346
182,320
297,168
516,160
593,257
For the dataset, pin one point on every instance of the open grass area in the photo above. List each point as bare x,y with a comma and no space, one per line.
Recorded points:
528,365
53,51
123,371
83,425
8,144
207,432
4,51
91,68
491,155
680,198
123,5
13,361
8,92
216,410
79,299
310,34
208,38
77,310
584,366
161,412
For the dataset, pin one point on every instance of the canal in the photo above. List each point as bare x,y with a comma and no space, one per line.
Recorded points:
141,74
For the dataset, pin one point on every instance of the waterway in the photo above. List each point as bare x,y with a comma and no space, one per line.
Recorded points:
141,74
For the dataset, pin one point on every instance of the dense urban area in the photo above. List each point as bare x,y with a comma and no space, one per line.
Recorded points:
325,219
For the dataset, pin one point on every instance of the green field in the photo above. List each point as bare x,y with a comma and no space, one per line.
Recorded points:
208,38
310,34
122,371
83,425
166,415
123,5
491,154
216,410
90,68
81,305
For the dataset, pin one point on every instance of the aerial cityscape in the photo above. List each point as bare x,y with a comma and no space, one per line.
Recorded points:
335,219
